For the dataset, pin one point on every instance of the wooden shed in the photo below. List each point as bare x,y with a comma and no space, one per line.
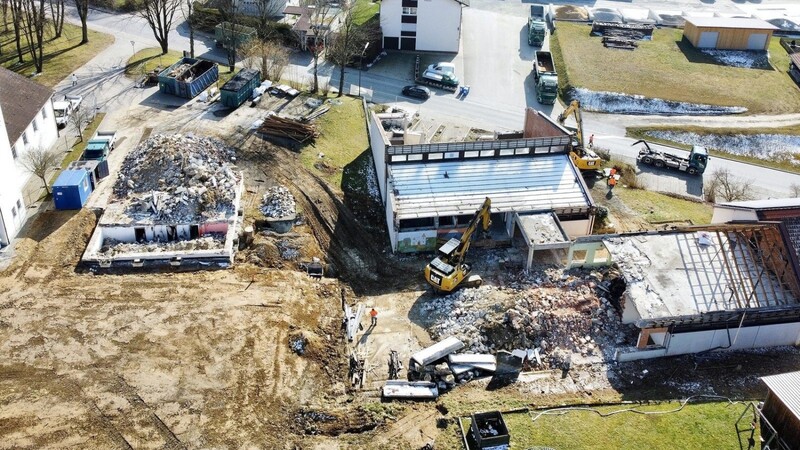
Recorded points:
728,33
781,409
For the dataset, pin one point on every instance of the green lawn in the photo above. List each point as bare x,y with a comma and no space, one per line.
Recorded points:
641,133
62,56
367,10
343,137
668,67
697,426
656,207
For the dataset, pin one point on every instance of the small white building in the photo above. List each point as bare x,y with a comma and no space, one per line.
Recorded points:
783,210
26,121
428,25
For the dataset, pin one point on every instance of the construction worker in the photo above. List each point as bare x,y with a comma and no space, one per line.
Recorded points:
591,141
612,181
74,79
374,315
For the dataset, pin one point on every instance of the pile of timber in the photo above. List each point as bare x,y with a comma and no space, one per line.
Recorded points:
622,35
289,128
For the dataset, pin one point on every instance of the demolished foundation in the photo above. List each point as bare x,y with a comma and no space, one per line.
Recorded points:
176,202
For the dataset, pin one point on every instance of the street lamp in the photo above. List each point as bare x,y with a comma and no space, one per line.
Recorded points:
361,68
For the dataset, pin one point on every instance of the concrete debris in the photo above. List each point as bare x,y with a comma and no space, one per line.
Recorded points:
551,324
178,179
112,247
298,344
288,251
278,202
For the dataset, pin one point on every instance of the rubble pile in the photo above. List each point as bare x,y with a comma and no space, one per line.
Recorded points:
559,320
112,247
278,202
178,179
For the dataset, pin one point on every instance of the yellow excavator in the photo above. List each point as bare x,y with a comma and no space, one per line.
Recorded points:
582,157
448,270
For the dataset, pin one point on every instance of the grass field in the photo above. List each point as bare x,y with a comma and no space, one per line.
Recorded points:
62,56
670,68
697,426
640,133
655,207
343,138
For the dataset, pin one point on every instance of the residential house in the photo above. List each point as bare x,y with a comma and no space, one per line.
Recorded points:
26,121
427,25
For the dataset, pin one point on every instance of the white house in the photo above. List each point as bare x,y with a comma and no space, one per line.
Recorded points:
26,121
427,25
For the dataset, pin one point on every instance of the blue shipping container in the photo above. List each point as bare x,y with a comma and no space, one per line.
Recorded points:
72,189
188,77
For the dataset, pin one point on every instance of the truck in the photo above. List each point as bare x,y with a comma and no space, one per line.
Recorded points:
63,109
109,136
537,26
546,78
440,75
695,164
96,150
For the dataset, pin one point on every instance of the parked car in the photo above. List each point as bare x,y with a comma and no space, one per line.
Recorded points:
417,92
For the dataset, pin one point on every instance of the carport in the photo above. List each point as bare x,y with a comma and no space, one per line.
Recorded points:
728,33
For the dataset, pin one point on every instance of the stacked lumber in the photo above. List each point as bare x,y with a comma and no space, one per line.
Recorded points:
622,35
290,128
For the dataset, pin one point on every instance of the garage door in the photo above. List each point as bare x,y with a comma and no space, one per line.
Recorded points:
757,41
708,39
408,43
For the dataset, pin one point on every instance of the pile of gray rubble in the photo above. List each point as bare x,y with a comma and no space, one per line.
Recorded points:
278,202
178,179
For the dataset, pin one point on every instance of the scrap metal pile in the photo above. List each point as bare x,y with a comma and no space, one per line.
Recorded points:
552,322
622,35
278,202
178,179
289,128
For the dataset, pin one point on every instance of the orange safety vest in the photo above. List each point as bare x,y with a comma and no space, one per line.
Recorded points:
373,313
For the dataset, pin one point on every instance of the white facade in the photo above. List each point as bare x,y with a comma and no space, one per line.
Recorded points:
426,25
40,132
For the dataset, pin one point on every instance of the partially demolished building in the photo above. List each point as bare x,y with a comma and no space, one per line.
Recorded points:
707,288
432,190
176,202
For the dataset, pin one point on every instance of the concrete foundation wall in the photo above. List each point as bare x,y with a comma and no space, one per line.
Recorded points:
576,228
378,144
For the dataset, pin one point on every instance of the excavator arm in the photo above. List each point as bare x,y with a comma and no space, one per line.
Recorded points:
574,108
483,217
583,158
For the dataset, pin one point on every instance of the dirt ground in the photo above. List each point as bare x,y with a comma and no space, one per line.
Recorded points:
254,357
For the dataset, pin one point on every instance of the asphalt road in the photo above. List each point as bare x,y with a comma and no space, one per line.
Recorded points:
495,61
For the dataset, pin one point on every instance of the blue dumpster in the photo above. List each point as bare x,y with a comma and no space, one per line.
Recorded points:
239,88
72,189
188,77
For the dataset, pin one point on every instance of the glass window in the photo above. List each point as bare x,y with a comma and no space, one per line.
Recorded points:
44,113
14,211
14,151
35,125
19,204
410,11
25,137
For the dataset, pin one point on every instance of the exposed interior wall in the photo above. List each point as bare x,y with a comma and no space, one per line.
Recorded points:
378,144
576,228
725,215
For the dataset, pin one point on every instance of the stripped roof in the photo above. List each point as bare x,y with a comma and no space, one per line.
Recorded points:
526,184
21,100
731,22
771,203
784,386
710,269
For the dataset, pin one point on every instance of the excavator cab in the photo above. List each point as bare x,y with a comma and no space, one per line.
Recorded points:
449,271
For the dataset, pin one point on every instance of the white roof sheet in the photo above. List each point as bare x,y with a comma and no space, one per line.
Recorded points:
784,386
513,184
731,22
771,203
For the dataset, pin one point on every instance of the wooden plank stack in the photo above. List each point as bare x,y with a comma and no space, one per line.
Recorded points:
289,128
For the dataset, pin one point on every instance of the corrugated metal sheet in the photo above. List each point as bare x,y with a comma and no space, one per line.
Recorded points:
460,187
731,22
785,387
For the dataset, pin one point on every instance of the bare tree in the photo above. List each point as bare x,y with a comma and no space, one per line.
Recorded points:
160,14
83,12
229,11
57,16
188,14
35,23
17,14
39,162
269,57
794,189
4,6
266,10
351,38
80,118
320,20
724,186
